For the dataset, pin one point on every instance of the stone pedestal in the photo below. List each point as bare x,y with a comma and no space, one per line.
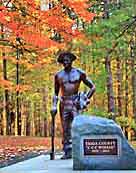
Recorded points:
99,144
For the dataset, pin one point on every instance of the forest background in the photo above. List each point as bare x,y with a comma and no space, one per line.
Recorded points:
101,33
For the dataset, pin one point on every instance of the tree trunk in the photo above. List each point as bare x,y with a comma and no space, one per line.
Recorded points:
46,4
44,110
118,4
110,93
94,73
106,9
133,71
6,123
126,91
119,86
37,119
126,88
28,121
33,130
23,118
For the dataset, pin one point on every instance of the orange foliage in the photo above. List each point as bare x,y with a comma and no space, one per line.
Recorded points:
80,8
10,86
36,30
37,40
54,18
6,84
22,88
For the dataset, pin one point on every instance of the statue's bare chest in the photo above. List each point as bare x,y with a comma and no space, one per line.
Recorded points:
69,77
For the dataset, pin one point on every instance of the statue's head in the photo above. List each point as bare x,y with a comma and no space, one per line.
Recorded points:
67,55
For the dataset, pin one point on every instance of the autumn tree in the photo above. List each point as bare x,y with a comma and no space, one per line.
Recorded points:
30,37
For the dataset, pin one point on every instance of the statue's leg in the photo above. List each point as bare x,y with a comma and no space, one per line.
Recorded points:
67,132
61,108
67,146
66,121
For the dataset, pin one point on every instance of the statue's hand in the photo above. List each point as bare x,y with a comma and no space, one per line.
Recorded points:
53,111
87,101
83,101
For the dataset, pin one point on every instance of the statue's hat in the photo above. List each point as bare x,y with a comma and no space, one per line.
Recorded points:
63,54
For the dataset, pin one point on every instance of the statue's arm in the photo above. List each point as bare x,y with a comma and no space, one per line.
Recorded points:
89,83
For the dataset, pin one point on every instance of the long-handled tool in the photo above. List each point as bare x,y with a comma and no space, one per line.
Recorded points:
52,154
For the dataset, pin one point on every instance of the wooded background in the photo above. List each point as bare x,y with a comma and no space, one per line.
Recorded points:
101,33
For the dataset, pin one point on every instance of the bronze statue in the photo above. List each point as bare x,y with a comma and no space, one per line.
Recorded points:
67,82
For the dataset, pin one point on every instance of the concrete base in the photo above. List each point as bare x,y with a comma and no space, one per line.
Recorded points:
42,164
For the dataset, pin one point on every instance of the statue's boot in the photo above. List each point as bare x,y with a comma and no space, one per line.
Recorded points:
67,155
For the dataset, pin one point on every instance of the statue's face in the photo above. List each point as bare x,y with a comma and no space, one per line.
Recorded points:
67,62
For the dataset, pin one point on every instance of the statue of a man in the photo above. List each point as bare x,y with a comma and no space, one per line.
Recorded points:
67,83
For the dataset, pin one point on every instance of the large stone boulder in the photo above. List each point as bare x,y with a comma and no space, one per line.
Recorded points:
99,144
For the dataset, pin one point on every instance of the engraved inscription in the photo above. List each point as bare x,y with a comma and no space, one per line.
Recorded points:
100,146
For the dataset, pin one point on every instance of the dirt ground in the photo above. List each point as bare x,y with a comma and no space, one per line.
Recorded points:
12,147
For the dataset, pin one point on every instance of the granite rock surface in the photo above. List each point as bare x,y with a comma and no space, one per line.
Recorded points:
100,129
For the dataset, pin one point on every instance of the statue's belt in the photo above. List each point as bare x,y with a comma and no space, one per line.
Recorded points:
69,97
